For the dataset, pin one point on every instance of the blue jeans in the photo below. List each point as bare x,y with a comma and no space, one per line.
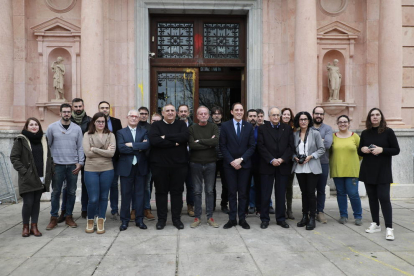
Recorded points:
147,193
114,192
98,185
320,188
206,172
348,186
63,172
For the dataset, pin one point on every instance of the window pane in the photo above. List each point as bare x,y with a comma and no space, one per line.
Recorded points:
175,40
221,40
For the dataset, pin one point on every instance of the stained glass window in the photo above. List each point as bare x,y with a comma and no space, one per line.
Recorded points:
175,40
221,40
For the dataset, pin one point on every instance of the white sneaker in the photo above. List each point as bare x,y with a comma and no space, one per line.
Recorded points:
373,228
390,234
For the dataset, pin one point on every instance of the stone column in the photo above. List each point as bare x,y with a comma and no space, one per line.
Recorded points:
306,66
92,55
6,59
390,61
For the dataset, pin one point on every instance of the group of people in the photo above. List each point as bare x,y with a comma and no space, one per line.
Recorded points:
253,157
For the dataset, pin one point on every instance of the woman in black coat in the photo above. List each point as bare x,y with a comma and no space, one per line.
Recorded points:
31,158
377,146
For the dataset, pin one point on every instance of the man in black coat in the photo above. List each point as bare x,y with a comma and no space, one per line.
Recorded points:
275,145
114,125
237,145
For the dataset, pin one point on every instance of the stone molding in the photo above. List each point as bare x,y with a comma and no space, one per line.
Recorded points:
326,11
52,7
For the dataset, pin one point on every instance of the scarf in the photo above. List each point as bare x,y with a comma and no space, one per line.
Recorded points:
78,118
34,138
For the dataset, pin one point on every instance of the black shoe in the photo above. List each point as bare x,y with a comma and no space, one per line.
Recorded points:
264,224
303,221
271,210
230,224
84,214
141,225
311,224
283,224
225,210
123,227
243,223
160,225
178,224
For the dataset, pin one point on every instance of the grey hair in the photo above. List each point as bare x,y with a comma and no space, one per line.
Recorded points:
163,108
270,109
203,106
132,110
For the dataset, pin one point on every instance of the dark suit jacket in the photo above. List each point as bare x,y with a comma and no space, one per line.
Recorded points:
127,154
116,125
233,148
274,143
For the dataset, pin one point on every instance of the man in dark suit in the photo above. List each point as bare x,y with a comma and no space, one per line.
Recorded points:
132,142
114,125
275,145
237,145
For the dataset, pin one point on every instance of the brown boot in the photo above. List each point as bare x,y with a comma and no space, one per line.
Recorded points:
132,215
100,228
25,232
52,224
62,216
34,231
148,215
70,222
190,210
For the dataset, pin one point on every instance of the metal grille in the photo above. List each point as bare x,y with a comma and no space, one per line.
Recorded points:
175,40
6,185
175,89
221,40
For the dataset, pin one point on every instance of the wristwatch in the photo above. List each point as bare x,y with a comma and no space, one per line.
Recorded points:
241,158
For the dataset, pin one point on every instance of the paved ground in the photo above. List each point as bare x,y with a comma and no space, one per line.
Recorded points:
331,249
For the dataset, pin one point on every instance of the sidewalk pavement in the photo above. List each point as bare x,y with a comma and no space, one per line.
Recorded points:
330,249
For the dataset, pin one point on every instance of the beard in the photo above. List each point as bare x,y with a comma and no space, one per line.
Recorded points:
65,119
253,122
78,112
317,121
183,118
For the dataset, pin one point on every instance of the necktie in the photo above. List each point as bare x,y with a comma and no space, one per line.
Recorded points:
238,130
133,132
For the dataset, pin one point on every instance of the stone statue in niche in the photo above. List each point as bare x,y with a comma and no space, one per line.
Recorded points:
58,69
334,81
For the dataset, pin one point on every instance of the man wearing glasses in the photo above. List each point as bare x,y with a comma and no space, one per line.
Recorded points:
326,134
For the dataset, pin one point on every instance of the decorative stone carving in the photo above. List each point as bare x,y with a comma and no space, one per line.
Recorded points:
334,81
333,7
58,69
60,6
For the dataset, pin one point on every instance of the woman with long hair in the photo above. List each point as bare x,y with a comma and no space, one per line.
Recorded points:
32,160
99,147
307,166
344,169
287,118
377,146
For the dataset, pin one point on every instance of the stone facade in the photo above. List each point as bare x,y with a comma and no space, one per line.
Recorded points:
105,46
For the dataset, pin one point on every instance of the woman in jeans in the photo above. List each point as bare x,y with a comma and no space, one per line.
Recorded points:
99,147
31,158
287,118
377,146
307,166
344,168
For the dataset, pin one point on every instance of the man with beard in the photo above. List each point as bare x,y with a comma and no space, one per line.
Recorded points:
217,115
326,134
114,125
63,138
183,115
237,145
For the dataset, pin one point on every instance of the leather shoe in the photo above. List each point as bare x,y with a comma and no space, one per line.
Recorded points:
160,225
123,227
264,224
283,224
178,224
230,224
243,223
141,225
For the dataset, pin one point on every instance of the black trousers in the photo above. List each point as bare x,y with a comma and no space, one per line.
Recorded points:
380,194
280,182
307,184
224,188
255,175
31,206
169,180
237,181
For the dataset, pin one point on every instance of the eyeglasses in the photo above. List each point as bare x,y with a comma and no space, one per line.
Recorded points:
100,122
133,116
319,114
303,120
342,123
143,114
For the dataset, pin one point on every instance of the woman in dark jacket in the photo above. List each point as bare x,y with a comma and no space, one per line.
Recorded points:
31,158
377,146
